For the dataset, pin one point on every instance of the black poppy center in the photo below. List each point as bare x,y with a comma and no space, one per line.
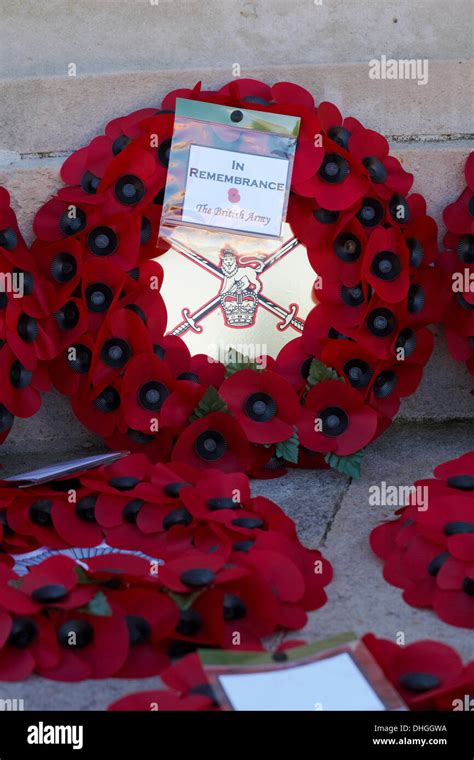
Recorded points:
90,183
385,384
54,592
8,239
139,629
466,249
326,216
107,401
98,297
23,631
347,247
358,372
164,152
79,359
468,586
370,213
248,522
129,189
75,634
386,265
131,510
407,340
197,577
334,421
115,353
190,622
27,328
124,482
416,251
85,508
174,489
19,376
40,512
334,169
6,419
376,169
119,144
339,135
416,298
179,516
461,482
152,395
72,221
210,445
437,563
399,208
419,682
352,296
222,502
102,241
381,322
234,607
63,267
260,407
68,317
457,527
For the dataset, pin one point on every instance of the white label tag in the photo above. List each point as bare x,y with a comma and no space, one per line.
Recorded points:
334,683
242,192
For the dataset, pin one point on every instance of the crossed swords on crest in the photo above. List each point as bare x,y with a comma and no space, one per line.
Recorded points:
191,321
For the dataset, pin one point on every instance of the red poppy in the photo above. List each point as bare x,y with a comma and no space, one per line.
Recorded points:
336,419
216,440
386,264
429,552
27,642
147,384
53,584
420,671
151,617
264,404
340,181
20,386
91,646
385,172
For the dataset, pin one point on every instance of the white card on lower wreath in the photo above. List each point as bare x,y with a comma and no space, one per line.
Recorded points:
333,683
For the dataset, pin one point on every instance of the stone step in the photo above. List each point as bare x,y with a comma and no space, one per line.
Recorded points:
126,35
60,113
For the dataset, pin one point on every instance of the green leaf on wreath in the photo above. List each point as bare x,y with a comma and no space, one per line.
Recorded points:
349,465
184,601
238,362
289,449
98,606
319,372
209,402
15,582
81,575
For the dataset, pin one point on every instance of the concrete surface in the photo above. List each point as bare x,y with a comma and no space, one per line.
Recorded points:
333,514
101,35
44,114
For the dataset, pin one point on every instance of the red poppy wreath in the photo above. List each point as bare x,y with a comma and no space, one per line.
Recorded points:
429,550
172,559
91,313
458,261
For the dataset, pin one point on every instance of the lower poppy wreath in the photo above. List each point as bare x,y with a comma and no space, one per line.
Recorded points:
429,550
428,675
191,560
458,260
96,315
